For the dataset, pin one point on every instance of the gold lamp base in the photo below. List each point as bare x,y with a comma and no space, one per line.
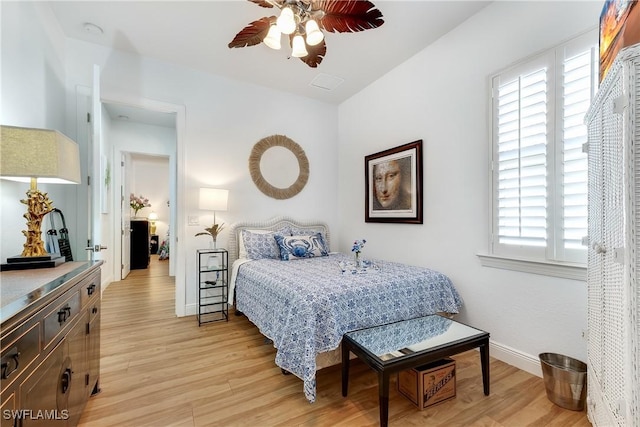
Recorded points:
34,254
38,205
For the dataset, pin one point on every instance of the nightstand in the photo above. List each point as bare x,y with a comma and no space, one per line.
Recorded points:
213,285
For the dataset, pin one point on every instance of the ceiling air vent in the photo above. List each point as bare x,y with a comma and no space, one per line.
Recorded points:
326,82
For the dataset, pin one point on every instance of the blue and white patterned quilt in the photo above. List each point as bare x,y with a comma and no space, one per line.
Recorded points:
306,305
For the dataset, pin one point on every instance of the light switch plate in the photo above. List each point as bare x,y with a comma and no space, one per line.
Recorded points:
194,220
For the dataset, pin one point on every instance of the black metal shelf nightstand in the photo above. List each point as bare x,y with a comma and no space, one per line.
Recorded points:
213,285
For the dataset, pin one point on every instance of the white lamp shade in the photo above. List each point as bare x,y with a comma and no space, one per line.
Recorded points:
47,155
273,38
213,199
153,216
298,48
286,21
314,35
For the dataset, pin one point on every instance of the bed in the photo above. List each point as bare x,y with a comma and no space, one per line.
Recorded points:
305,304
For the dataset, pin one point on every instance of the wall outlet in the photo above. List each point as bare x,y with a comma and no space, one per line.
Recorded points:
194,220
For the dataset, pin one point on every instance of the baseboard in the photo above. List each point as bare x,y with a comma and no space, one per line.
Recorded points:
191,309
516,358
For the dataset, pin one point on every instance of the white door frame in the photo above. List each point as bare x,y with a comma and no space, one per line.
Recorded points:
177,258
125,218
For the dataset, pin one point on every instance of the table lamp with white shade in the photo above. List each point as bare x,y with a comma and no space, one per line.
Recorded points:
32,155
213,199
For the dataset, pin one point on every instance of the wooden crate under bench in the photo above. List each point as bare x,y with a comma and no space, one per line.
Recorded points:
429,384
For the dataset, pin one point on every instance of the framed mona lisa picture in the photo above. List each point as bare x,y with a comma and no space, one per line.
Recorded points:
393,184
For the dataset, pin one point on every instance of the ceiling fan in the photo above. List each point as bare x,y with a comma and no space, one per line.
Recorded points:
304,21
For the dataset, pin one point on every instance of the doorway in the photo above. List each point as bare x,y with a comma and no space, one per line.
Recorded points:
143,130
111,212
144,141
145,178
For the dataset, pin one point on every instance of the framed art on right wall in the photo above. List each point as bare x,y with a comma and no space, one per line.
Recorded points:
393,184
619,27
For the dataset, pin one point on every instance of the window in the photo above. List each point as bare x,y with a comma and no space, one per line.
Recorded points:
539,169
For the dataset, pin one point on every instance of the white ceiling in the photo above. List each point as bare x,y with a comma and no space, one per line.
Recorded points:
127,113
195,34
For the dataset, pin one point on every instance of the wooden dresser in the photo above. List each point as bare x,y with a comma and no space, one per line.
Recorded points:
50,339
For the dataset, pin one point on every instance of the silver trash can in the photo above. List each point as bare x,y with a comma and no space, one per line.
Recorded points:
565,380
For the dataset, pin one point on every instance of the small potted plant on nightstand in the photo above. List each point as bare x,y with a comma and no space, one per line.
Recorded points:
212,231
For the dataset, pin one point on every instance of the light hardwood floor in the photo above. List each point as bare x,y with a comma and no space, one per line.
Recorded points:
160,370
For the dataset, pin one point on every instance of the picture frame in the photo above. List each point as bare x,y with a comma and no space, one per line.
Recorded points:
619,27
393,185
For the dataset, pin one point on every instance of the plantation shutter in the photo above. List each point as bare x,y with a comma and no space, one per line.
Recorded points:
578,86
539,167
522,130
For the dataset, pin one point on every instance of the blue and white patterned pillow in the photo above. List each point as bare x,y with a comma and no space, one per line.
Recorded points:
308,231
295,247
260,245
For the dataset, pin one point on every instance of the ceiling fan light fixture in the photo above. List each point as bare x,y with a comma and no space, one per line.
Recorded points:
273,37
314,35
298,48
286,21
305,22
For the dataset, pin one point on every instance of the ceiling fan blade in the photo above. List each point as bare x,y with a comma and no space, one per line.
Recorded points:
316,54
253,33
348,16
262,3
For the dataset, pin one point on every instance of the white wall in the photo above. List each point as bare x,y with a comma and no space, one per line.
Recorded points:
441,96
32,95
148,174
224,119
150,178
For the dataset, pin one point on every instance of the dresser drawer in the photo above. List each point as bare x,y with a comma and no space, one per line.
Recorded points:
19,348
8,408
60,317
94,309
89,288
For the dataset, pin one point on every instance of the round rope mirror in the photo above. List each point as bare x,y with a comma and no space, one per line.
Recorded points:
263,185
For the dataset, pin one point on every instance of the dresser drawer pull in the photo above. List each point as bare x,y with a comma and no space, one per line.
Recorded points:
12,362
64,314
94,310
91,289
65,380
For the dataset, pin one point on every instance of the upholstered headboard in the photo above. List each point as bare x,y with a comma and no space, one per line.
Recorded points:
271,225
